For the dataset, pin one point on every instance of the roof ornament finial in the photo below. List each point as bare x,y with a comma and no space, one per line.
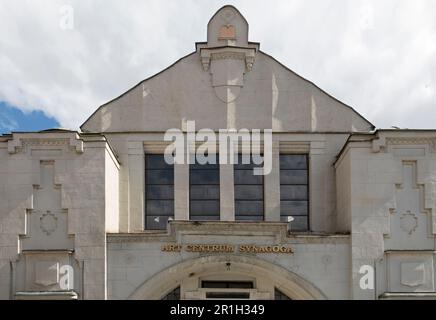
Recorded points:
227,48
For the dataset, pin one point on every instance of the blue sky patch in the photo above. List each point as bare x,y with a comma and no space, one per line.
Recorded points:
13,119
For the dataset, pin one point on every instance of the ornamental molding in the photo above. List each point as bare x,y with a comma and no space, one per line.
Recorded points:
227,79
413,274
408,222
22,142
228,55
246,54
44,142
381,143
48,223
413,140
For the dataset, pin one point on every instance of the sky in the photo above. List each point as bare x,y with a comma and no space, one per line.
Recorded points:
13,119
60,60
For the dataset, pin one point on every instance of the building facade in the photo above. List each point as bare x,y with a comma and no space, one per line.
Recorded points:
346,211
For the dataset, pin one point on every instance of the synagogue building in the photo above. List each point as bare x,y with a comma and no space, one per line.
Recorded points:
336,210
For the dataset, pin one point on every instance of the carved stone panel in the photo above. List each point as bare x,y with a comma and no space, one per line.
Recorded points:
413,274
46,271
410,222
410,271
227,67
47,222
40,274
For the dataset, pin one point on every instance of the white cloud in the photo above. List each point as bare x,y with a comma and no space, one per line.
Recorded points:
378,56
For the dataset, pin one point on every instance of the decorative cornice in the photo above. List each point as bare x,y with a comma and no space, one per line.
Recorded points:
412,140
43,142
383,142
228,55
210,54
21,142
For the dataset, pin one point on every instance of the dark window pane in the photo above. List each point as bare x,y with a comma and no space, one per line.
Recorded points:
240,165
249,192
247,177
156,161
294,208
200,192
249,208
293,161
249,218
227,295
300,223
205,218
205,177
293,192
156,222
278,295
293,176
159,176
160,207
205,208
195,165
227,284
160,192
204,191
173,295
214,284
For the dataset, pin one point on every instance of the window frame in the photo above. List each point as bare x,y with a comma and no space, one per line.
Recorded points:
146,185
218,168
308,200
252,165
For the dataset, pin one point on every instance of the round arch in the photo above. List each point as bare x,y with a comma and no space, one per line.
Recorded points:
287,282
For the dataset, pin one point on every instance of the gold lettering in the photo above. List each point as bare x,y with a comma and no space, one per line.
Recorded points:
171,247
226,248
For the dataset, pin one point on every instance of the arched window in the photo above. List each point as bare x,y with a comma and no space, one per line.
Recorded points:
172,295
278,295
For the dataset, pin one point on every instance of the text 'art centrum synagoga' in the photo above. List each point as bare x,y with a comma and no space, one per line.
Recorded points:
337,209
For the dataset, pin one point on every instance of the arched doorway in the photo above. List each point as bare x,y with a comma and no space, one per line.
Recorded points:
191,275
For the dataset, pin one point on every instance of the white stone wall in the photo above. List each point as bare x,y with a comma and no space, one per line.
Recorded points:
389,193
280,99
323,261
112,192
76,186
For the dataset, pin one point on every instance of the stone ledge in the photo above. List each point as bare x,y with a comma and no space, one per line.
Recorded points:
244,228
46,295
409,251
44,251
408,296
